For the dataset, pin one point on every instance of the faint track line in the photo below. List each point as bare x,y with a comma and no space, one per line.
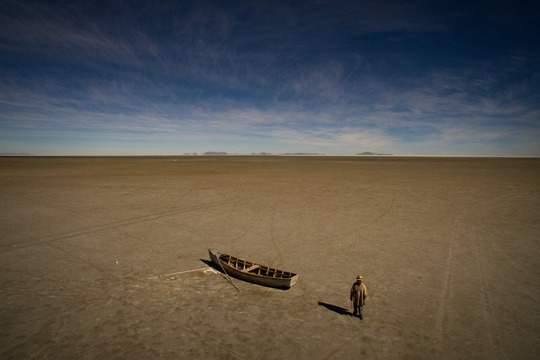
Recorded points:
387,210
442,318
442,313
108,226
43,201
481,271
486,308
390,207
204,269
234,208
273,240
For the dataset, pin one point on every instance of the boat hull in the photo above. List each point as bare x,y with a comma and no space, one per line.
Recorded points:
242,274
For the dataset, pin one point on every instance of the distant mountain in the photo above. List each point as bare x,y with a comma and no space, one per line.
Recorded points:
371,153
15,154
213,153
300,153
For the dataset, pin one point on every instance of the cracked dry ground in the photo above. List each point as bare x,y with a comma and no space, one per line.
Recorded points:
96,253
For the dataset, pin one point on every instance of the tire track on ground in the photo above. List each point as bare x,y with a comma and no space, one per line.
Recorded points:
442,322
274,240
108,226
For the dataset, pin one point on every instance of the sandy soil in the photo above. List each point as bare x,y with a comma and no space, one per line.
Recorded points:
449,250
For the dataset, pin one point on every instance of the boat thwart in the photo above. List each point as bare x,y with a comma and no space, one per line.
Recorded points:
252,272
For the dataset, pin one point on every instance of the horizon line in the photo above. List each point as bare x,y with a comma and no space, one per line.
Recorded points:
258,155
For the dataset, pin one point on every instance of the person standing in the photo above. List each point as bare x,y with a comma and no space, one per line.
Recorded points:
358,296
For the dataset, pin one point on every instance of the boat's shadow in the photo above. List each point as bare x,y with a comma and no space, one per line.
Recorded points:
212,265
336,309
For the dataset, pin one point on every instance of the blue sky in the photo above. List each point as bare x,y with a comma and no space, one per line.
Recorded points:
331,77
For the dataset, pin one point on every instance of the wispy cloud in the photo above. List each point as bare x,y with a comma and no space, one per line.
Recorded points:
329,76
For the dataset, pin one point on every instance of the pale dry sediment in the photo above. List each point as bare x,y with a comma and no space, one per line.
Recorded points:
103,257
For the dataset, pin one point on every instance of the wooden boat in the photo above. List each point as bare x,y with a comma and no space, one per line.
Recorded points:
255,273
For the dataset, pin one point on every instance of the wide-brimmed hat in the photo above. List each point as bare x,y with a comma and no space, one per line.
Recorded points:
359,277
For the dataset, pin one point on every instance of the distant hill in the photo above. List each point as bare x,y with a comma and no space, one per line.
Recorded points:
300,153
371,153
224,153
15,154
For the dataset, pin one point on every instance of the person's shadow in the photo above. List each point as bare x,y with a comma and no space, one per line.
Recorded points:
336,309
